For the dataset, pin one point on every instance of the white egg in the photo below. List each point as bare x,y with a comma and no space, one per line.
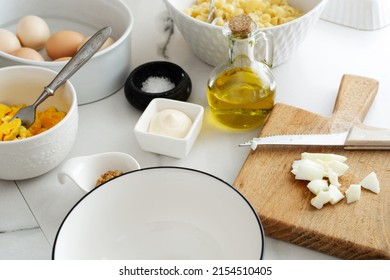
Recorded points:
371,182
335,194
353,193
320,199
8,41
33,32
318,185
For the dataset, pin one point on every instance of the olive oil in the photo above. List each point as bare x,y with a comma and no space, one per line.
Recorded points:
239,99
241,91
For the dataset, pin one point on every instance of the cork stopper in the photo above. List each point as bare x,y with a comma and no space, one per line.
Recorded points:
241,24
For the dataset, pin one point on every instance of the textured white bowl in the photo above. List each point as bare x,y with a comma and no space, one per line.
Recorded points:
359,14
108,69
34,156
165,145
208,43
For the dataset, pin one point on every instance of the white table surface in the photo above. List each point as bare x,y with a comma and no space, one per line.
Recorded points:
31,211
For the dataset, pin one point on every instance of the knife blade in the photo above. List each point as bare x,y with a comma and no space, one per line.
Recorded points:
357,138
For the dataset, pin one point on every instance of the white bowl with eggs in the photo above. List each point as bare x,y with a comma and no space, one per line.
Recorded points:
38,154
108,69
169,127
211,46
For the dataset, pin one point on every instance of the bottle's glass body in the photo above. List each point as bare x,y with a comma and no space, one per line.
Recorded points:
241,91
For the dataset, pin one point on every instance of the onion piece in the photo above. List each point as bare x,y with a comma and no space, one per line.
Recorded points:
333,178
323,157
353,193
309,173
318,185
320,199
371,182
307,170
335,194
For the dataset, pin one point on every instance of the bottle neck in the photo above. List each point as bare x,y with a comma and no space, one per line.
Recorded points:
241,50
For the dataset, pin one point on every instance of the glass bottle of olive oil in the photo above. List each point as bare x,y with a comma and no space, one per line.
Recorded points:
241,92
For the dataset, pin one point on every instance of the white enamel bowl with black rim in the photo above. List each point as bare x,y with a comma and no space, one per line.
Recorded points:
161,213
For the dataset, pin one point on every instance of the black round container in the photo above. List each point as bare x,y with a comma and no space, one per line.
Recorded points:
162,69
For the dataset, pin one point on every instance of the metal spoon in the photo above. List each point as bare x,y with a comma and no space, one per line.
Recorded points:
211,14
27,114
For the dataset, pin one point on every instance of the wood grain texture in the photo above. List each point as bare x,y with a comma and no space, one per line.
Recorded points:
360,230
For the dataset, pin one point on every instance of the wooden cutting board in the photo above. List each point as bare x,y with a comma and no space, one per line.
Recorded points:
360,230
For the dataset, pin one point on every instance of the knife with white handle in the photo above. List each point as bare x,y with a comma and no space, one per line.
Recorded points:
357,138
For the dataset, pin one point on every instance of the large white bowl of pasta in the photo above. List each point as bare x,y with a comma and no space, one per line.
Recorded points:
288,21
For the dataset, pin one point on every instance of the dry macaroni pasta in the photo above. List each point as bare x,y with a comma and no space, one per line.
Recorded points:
265,13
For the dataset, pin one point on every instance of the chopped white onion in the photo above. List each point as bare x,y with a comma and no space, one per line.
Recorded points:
309,173
320,199
335,194
333,178
323,157
318,185
371,182
307,170
353,193
337,166
314,167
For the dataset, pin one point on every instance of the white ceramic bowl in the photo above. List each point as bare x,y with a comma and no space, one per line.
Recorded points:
161,213
165,145
359,14
108,69
31,157
208,43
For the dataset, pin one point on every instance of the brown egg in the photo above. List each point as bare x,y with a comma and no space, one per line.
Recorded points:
63,58
63,43
8,41
106,44
28,53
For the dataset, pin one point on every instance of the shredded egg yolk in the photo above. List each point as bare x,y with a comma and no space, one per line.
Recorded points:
11,130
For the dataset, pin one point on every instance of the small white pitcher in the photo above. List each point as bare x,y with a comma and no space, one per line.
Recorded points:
86,170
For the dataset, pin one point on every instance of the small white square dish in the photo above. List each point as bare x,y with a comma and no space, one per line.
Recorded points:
173,146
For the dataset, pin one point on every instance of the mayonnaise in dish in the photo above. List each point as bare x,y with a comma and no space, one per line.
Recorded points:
170,122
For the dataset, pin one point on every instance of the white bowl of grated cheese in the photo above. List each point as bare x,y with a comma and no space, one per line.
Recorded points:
209,44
